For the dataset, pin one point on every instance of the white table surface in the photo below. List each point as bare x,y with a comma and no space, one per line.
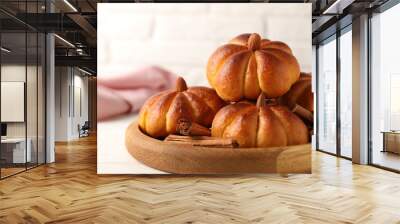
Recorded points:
112,155
12,140
18,152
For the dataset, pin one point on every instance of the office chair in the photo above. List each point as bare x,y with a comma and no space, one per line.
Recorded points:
84,130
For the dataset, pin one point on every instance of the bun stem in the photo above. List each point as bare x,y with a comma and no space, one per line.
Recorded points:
180,84
253,43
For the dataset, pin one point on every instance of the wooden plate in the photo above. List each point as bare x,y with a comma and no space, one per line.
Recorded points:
187,159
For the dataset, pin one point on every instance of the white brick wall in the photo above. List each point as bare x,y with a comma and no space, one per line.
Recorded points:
181,37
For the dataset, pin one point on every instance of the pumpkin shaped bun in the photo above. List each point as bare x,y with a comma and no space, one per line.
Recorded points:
161,113
259,125
300,93
249,65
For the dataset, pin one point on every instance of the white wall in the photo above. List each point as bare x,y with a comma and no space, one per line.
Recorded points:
12,73
81,84
62,82
181,37
68,83
13,101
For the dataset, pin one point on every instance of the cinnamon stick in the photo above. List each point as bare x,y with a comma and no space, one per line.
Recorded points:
184,138
303,113
205,141
187,127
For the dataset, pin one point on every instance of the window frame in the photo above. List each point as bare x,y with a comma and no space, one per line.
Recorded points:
334,37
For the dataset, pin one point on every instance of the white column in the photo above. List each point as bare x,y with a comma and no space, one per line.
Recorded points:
50,92
50,99
360,90
314,90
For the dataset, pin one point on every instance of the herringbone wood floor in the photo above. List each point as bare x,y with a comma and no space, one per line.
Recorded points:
69,191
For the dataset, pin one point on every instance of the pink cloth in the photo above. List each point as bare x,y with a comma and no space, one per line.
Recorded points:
126,93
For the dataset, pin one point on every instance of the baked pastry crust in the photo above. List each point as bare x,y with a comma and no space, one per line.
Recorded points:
300,93
259,125
160,114
249,65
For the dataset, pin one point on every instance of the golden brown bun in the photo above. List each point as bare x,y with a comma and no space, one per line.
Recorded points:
160,114
259,125
248,65
300,93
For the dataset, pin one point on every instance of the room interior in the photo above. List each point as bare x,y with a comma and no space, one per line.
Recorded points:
24,76
48,105
22,102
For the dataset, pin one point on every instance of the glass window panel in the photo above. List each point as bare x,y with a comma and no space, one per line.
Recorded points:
41,98
385,81
327,97
31,97
346,94
22,62
32,87
13,86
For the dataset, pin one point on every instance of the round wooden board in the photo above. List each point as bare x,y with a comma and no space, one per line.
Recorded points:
187,159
